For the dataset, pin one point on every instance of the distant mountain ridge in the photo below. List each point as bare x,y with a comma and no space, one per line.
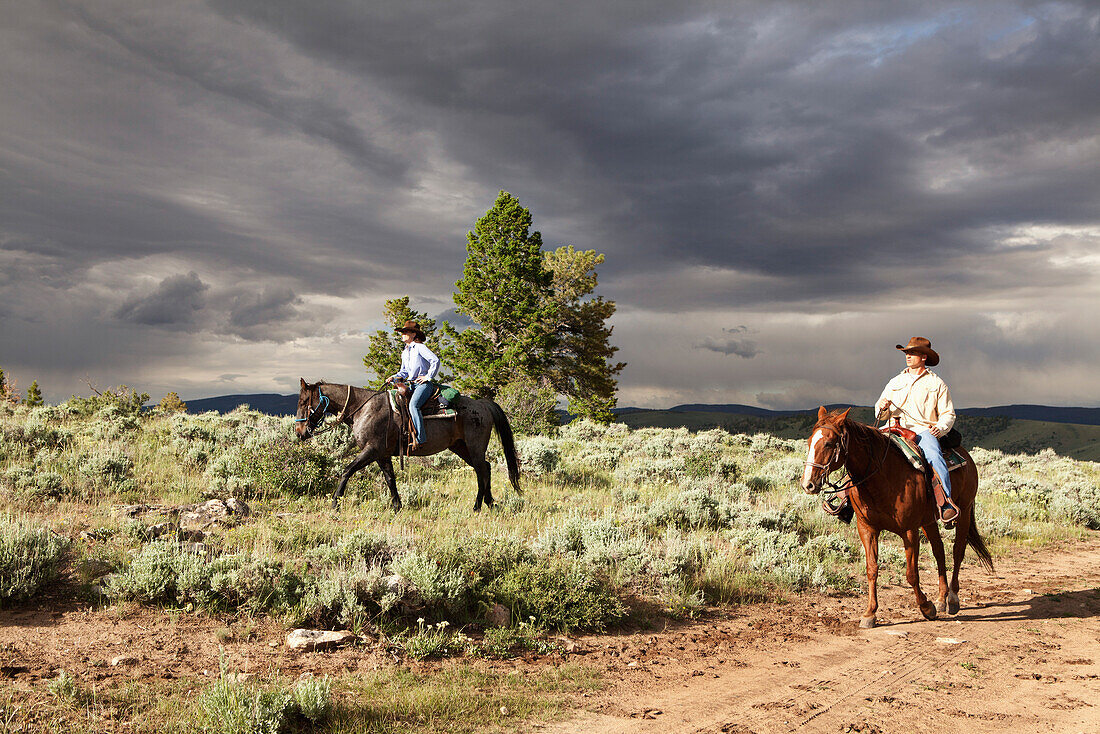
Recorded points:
274,404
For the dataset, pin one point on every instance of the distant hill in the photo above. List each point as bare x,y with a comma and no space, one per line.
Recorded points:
990,428
1014,428
269,403
1047,413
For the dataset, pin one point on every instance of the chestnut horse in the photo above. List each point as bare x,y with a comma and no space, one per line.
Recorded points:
375,430
887,493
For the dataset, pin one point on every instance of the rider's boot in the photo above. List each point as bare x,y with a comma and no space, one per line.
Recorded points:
949,511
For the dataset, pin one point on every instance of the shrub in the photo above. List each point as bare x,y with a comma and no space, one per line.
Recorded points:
356,547
503,642
540,455
344,597
109,468
530,406
442,586
229,707
559,594
63,687
583,430
701,507
430,640
166,573
294,468
656,471
30,557
313,697
819,562
700,464
607,545
1078,502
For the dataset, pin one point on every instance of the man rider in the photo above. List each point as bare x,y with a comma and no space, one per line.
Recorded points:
922,403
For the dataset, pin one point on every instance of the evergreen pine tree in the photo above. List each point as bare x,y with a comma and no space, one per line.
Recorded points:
34,395
580,367
171,403
506,291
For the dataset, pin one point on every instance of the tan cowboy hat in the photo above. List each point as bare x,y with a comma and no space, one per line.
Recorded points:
920,345
414,327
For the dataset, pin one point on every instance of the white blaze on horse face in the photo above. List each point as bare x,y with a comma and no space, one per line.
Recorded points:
811,456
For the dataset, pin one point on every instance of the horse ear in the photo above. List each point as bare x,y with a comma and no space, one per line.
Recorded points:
303,381
843,416
821,412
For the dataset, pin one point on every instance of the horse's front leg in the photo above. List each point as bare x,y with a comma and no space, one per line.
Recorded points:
912,573
869,536
365,457
932,532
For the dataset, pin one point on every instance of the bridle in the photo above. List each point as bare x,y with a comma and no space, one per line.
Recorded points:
829,489
317,413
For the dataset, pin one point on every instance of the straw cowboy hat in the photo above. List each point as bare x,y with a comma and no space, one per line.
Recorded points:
919,345
413,327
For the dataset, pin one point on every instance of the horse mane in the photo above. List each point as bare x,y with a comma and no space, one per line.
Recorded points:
862,432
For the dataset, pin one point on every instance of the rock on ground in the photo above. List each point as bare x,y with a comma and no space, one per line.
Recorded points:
306,640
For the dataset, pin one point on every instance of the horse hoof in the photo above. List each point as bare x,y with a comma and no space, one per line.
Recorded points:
867,622
396,506
941,606
953,604
928,609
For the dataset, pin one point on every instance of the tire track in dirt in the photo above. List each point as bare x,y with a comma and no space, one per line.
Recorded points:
1022,655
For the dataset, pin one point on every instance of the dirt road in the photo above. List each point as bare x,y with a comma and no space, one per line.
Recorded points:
1023,655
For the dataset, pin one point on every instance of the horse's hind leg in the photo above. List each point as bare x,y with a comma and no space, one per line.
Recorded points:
869,536
962,532
386,465
912,573
932,532
482,471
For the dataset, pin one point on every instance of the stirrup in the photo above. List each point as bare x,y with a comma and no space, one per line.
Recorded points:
949,514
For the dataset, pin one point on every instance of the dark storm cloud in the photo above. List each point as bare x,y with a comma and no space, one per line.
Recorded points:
174,303
274,314
801,141
753,162
166,50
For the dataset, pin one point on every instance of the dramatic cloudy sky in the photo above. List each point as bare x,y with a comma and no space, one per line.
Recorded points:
218,197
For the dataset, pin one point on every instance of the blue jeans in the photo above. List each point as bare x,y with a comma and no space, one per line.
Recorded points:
930,446
420,396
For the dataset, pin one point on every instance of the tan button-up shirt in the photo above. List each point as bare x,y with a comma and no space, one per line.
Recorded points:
920,401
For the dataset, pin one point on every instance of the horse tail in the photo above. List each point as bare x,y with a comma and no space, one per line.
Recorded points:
507,442
974,540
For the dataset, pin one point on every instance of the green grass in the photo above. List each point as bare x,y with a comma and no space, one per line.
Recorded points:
452,698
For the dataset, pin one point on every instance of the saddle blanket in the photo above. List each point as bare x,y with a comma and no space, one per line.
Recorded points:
953,458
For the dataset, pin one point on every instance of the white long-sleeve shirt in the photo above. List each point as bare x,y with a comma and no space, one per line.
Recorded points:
920,401
417,360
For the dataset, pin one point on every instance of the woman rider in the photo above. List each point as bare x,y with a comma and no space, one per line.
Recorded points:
420,366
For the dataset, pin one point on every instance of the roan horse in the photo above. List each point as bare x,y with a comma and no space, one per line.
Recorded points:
887,493
375,430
